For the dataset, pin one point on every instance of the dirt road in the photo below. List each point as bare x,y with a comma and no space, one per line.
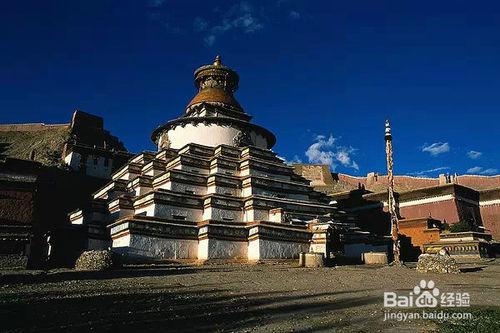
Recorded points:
256,298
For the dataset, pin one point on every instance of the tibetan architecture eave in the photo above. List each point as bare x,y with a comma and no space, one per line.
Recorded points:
230,112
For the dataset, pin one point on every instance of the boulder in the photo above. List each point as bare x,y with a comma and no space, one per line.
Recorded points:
94,261
437,263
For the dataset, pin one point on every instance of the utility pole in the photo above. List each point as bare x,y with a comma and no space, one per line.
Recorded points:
392,203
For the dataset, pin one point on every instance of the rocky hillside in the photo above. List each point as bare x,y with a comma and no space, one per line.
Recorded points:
38,142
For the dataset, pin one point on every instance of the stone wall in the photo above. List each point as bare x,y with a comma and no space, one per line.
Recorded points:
318,174
374,182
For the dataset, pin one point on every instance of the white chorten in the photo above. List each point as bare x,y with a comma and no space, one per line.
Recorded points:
214,189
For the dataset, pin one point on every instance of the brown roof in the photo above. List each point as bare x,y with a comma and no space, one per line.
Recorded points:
215,95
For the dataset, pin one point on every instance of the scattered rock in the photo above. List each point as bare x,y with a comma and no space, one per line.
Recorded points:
94,261
437,263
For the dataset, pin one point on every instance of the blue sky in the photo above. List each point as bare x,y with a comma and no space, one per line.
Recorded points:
322,75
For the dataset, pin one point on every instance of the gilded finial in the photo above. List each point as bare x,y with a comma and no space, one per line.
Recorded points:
217,61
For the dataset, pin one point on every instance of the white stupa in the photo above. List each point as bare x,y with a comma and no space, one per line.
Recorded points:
213,190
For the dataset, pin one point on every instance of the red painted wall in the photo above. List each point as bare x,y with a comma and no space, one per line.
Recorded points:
442,210
491,219
418,232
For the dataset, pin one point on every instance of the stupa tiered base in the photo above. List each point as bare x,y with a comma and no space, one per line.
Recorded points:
204,203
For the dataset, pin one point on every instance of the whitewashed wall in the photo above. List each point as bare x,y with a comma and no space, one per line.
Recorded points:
223,190
192,169
168,211
98,169
224,171
183,188
155,247
221,249
248,191
209,135
251,215
213,213
259,249
253,172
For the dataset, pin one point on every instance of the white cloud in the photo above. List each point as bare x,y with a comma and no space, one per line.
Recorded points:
437,148
239,17
294,160
343,155
425,172
489,171
481,171
474,155
474,170
294,15
248,23
242,17
327,151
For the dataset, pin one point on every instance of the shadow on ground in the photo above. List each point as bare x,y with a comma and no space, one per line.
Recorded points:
24,277
171,310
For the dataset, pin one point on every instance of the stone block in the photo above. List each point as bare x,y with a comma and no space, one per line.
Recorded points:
374,258
314,260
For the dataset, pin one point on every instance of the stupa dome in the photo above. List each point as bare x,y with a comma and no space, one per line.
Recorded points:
213,117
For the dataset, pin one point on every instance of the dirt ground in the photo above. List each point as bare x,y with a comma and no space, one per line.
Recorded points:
230,297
